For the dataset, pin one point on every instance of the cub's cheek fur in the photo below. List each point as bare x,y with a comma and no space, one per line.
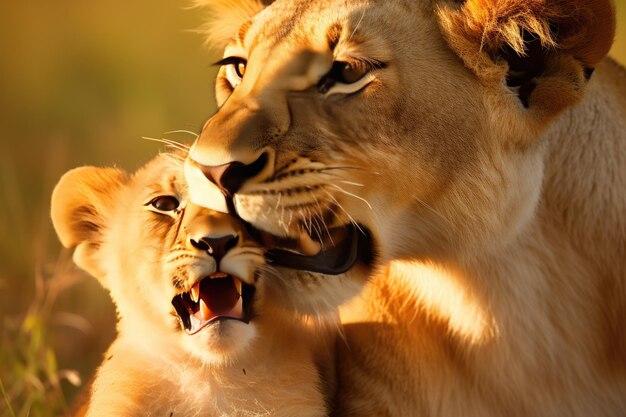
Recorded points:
82,205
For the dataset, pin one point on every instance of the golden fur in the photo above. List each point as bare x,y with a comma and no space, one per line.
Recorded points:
488,161
263,368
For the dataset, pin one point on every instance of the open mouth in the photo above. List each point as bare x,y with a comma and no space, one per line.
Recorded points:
337,253
219,296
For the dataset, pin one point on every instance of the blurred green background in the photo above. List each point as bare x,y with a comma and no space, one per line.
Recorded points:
81,82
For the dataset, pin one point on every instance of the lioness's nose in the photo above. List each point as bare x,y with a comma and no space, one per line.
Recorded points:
217,247
230,177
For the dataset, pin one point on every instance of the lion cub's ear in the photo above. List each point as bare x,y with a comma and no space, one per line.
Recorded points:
545,50
225,17
82,204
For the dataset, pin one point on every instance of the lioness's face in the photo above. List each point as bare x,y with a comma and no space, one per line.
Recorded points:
354,118
180,275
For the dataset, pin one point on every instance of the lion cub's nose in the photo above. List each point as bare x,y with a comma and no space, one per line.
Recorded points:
217,247
230,177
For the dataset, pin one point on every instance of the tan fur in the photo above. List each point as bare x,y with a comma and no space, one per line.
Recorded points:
267,367
585,29
500,225
224,18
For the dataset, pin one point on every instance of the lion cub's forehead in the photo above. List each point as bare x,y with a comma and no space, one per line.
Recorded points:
164,174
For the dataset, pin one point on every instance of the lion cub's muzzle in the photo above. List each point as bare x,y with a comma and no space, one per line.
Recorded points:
216,289
219,296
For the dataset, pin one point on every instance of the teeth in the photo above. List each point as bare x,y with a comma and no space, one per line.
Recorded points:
195,292
308,246
204,311
194,322
237,285
237,311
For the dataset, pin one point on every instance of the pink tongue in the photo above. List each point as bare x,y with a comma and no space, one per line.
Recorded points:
219,294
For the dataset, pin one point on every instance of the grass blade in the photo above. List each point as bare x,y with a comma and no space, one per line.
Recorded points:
6,398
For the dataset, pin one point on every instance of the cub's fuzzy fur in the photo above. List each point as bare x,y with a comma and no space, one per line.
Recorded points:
482,144
146,254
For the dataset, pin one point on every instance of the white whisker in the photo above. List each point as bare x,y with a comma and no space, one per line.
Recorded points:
352,183
351,219
320,215
352,195
358,24
195,135
168,142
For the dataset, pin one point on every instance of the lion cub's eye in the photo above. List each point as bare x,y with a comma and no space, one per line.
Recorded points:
240,69
235,69
348,77
164,203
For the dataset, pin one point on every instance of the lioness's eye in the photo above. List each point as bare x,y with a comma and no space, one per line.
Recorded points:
235,69
348,77
348,73
165,203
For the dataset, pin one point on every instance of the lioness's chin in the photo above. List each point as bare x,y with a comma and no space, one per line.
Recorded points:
221,341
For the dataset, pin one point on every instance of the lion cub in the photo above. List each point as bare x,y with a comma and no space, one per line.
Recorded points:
198,334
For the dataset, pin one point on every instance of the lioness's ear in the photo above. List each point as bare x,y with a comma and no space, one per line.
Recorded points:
545,49
82,203
225,17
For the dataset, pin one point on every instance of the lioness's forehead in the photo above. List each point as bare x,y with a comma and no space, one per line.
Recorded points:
306,22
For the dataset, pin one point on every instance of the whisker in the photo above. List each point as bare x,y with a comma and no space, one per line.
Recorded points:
175,158
315,226
321,214
358,24
352,183
168,142
343,167
352,195
290,219
195,135
351,219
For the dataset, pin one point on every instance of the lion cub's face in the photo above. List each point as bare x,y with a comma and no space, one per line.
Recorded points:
181,276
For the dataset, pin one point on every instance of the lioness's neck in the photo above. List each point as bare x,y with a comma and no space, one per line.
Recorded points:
585,177
562,271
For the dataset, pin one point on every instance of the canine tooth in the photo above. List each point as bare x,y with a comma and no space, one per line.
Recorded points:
194,321
308,246
204,311
237,311
195,292
237,285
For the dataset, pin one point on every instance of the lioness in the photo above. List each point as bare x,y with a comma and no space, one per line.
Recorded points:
480,145
198,334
